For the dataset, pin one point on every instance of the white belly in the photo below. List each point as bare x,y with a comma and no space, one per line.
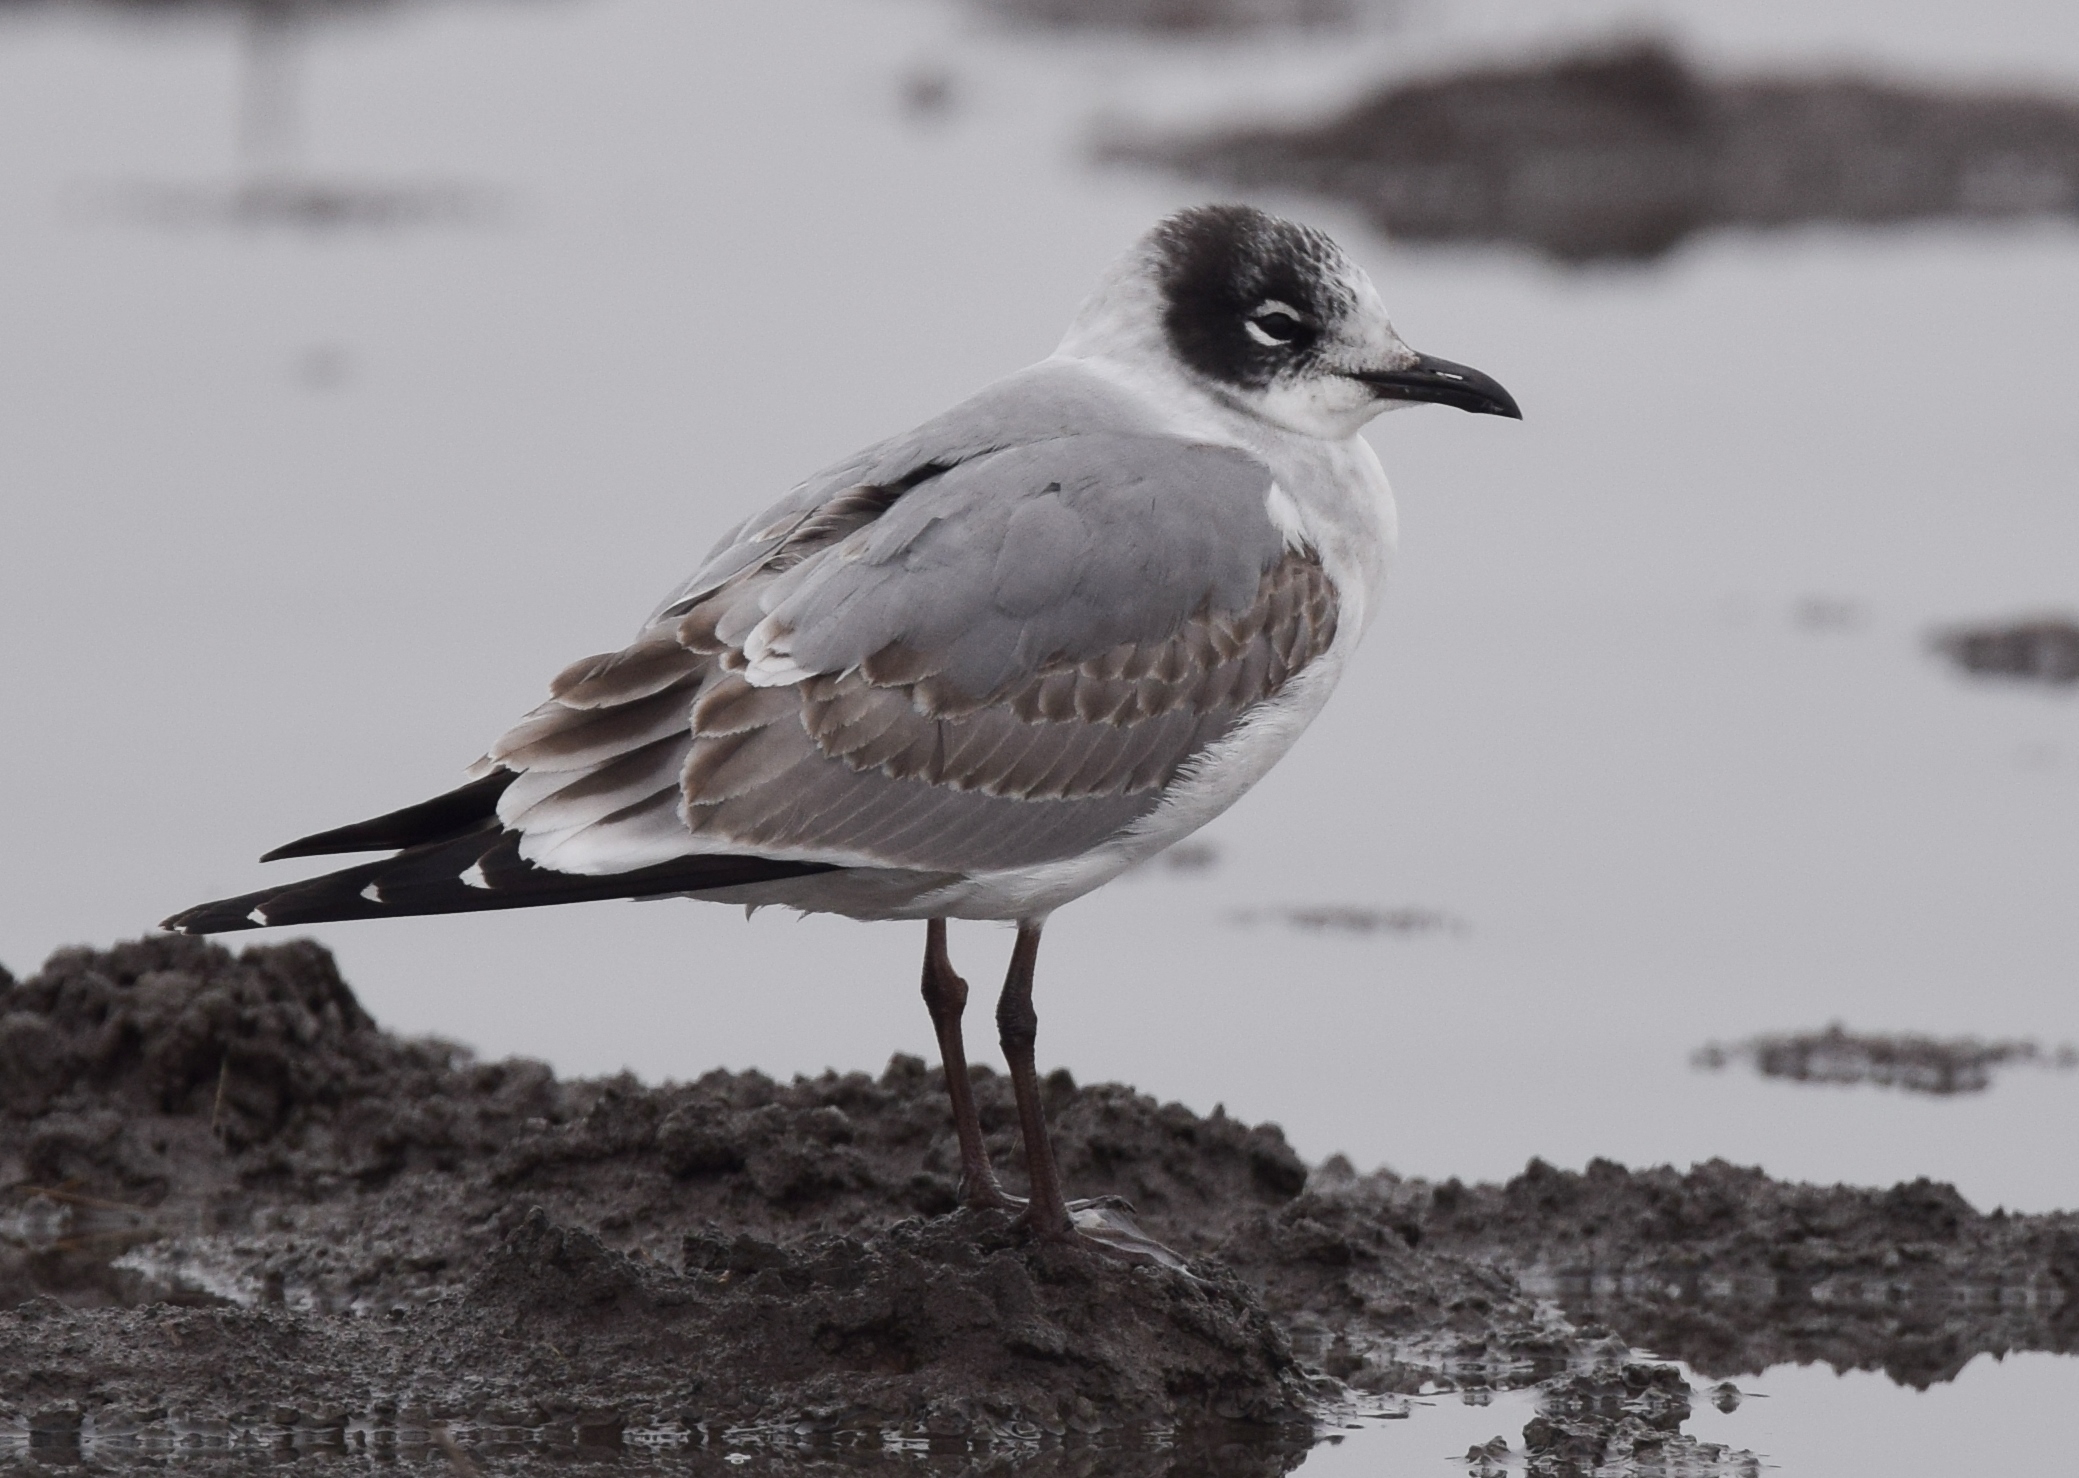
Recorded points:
1208,786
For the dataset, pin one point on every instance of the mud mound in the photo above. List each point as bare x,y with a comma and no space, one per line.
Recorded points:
2043,650
1187,17
1734,1272
160,1094
954,1328
960,1324
233,1210
1937,1065
271,1048
1370,1302
1626,153
188,1127
1615,1418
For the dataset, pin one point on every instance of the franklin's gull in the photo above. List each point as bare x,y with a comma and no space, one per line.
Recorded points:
977,670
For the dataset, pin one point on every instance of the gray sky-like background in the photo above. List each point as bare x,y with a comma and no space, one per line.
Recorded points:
296,520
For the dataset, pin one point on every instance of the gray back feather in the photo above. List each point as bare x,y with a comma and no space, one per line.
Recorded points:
1053,551
1046,401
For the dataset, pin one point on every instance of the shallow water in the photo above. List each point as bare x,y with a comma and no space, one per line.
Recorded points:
301,513
301,516
1792,1420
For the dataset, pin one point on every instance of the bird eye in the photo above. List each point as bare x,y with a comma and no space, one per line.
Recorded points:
1275,326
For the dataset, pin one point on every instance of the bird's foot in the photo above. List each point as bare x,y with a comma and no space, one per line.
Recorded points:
1104,1223
979,1194
1107,1224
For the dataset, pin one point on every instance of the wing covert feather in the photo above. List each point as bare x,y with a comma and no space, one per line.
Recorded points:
999,665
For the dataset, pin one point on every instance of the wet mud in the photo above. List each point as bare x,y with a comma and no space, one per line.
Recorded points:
1186,17
237,1216
1917,1064
1334,918
1731,1271
2043,649
1624,153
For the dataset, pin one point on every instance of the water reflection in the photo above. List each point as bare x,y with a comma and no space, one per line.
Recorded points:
299,204
466,1450
274,41
274,186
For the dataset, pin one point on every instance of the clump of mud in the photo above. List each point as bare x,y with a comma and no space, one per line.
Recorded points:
234,1210
1348,918
1917,1064
2043,649
1625,153
940,1328
1186,17
1622,1417
1734,1272
189,1128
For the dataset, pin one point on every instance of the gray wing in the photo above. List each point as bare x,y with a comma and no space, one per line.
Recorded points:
1043,402
1000,665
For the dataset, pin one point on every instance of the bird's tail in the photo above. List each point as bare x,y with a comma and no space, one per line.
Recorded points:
455,858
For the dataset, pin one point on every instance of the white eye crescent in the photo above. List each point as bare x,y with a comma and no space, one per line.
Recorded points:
1274,324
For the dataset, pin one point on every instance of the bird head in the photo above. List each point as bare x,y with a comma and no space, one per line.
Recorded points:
1271,317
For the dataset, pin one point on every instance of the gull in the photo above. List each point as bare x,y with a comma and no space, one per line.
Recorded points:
979,669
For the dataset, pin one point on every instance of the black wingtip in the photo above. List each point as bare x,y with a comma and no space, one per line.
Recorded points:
433,879
460,810
226,916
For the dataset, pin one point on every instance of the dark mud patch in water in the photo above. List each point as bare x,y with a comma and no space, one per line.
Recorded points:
2040,649
234,1211
1623,154
1937,1065
1617,1418
1188,17
1349,918
1734,1272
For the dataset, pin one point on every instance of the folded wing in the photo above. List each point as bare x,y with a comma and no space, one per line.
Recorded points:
991,644
998,666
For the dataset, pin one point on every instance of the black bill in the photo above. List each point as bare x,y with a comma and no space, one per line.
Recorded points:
1445,383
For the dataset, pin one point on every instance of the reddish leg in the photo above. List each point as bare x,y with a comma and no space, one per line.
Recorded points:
1018,1027
945,996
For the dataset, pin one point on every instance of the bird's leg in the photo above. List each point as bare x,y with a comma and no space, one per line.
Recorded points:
1018,1027
945,997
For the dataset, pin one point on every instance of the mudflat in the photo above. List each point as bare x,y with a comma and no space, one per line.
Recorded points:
238,1212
